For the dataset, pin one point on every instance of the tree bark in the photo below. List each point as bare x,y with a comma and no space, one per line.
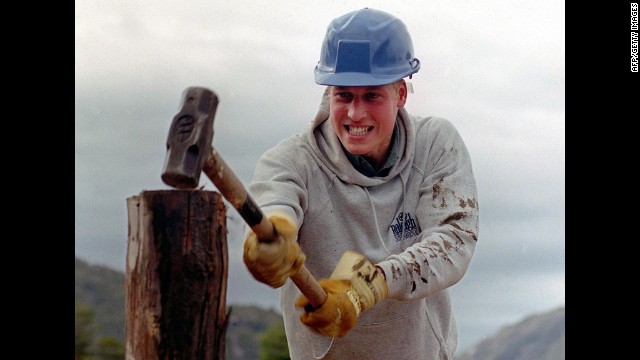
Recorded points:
176,276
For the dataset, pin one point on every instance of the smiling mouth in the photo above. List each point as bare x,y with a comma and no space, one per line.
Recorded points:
358,130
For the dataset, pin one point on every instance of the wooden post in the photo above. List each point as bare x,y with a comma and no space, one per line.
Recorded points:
176,276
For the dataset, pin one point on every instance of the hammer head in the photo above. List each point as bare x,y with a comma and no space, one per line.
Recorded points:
190,136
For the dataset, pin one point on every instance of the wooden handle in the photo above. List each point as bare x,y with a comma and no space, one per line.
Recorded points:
232,189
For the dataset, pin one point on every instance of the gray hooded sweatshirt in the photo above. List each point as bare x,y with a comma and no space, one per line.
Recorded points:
419,223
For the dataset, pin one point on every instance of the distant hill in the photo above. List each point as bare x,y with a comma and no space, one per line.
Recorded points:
102,289
246,325
537,337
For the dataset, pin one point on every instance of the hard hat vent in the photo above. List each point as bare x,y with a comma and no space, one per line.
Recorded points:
354,56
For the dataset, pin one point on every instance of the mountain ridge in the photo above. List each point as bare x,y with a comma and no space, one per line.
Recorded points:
539,336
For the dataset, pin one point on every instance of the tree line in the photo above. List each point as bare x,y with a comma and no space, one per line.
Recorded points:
91,346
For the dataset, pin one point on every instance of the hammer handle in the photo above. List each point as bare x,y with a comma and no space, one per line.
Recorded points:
232,189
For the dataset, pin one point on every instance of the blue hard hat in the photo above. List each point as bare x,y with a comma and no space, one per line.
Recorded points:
366,47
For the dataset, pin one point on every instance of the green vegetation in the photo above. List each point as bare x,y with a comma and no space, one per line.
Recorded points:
255,333
274,343
252,332
84,331
102,290
87,346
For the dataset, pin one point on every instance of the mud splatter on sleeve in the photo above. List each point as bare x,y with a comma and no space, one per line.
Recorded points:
448,214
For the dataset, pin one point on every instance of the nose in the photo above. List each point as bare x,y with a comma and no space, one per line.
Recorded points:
357,110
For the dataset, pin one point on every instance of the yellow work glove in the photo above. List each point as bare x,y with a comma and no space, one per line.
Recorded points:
354,286
272,263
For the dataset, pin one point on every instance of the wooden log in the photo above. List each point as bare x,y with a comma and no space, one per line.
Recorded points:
176,276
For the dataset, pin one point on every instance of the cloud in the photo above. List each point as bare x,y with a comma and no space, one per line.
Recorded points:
495,69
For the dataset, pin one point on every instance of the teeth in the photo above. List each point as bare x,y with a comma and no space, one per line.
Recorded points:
358,130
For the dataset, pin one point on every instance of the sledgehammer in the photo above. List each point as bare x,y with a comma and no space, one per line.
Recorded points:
189,152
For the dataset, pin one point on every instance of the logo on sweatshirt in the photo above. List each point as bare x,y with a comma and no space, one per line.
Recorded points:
411,227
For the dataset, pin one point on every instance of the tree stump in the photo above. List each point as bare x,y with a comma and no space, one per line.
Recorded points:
176,276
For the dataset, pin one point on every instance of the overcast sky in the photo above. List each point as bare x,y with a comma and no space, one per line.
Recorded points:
495,69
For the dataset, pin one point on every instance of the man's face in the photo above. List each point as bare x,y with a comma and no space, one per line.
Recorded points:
363,117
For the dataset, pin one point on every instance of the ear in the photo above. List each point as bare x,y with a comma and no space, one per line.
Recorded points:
402,94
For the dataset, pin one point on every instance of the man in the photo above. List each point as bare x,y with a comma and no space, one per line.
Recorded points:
379,204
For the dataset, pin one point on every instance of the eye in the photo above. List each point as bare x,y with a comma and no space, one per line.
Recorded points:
344,95
372,96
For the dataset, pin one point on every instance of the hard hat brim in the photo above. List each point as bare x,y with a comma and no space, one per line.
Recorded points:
358,78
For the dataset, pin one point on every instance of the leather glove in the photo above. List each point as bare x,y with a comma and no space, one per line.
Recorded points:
272,263
354,286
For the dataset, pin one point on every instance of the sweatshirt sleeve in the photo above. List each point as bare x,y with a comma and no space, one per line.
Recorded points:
448,215
277,183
